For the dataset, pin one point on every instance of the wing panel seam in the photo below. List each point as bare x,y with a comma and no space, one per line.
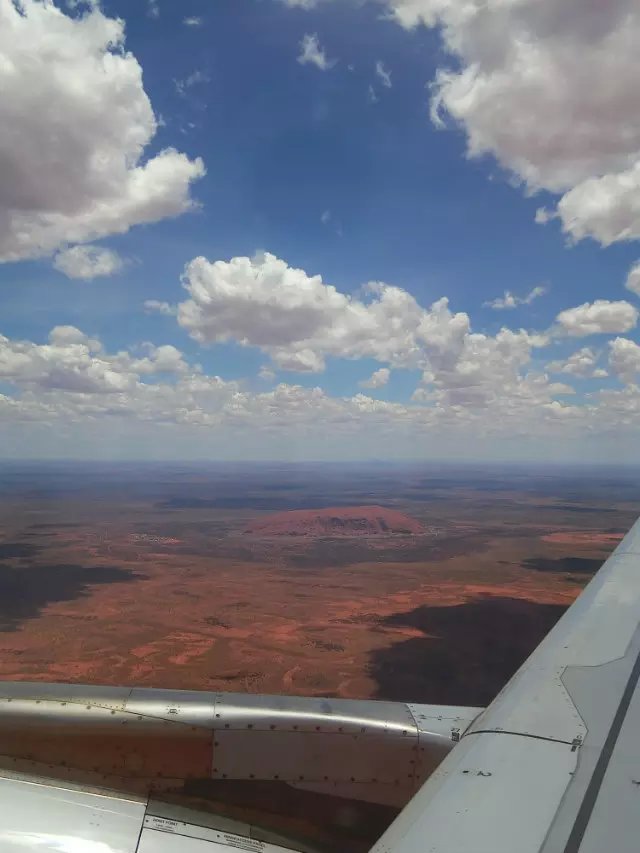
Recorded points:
517,734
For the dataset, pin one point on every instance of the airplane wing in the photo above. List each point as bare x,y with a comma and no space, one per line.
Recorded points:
106,769
553,764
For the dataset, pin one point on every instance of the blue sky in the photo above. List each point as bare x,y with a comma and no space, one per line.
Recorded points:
331,172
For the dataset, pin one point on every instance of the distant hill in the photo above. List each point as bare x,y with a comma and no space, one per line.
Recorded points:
336,521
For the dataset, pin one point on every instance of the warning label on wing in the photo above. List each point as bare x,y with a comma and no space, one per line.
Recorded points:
229,839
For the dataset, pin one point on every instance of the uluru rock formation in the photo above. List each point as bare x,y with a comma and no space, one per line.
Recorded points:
336,521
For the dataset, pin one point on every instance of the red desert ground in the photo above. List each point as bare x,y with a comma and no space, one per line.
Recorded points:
411,582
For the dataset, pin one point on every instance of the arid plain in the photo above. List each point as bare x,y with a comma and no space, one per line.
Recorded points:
169,575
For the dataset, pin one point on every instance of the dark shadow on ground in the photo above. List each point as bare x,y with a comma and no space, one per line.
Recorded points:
576,565
468,653
19,550
25,591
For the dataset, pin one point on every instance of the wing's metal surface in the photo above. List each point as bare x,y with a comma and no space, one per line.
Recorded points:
131,744
553,764
143,739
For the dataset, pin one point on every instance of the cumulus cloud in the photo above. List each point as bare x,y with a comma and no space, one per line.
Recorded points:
474,387
72,379
582,363
259,301
378,378
633,279
192,21
159,359
299,321
606,208
624,359
383,74
71,361
481,373
596,318
296,318
515,90
542,216
73,166
510,300
312,54
302,360
88,262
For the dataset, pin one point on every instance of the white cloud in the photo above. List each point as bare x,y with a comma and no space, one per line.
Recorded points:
543,216
378,378
474,372
192,21
502,302
624,359
509,300
606,208
633,279
75,382
616,414
294,317
153,306
74,363
477,389
312,54
259,301
88,262
153,10
326,217
159,359
582,363
76,122
550,89
301,360
599,317
372,98
73,378
299,321
384,74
